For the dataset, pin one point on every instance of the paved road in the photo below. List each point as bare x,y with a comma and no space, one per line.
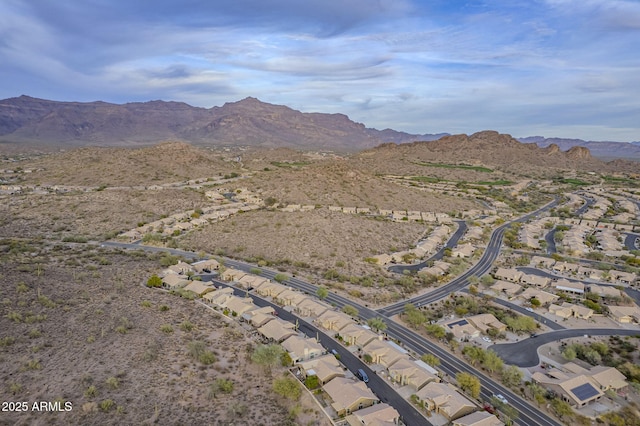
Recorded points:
551,242
453,241
381,388
632,241
525,352
588,202
483,266
450,364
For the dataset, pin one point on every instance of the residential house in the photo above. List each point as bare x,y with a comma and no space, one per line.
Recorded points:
625,314
561,311
259,316
310,308
333,320
439,268
573,287
377,415
356,335
199,287
478,418
605,377
383,259
539,261
174,281
383,353
577,390
622,277
444,399
218,297
486,322
604,291
181,268
567,310
512,275
271,289
277,330
461,328
349,395
535,280
239,305
406,372
290,297
231,274
208,265
302,349
465,250
565,267
590,273
474,233
540,295
506,287
250,281
325,368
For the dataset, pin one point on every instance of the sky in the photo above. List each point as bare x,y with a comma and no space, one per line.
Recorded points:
554,68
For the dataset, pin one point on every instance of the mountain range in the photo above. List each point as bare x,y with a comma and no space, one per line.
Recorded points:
604,150
249,122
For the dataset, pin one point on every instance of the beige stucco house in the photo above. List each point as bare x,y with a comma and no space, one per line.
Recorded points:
349,395
444,398
301,349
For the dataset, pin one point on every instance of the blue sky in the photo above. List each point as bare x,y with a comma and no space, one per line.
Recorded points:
566,68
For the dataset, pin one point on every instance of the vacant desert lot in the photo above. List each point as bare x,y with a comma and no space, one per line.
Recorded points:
336,182
92,214
320,238
78,326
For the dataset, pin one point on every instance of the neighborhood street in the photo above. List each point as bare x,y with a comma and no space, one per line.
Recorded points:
453,241
525,352
483,266
381,388
450,364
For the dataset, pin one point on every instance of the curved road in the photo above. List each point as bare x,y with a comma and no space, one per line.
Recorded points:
588,202
525,352
453,241
632,241
551,242
480,268
450,364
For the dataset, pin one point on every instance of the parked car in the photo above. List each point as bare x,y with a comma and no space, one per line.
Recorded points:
362,375
486,339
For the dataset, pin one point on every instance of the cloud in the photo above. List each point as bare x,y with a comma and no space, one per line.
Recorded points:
417,66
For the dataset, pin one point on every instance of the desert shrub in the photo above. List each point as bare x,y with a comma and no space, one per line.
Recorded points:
312,382
91,392
154,281
113,382
7,341
22,288
220,385
186,325
287,387
166,328
107,404
14,316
